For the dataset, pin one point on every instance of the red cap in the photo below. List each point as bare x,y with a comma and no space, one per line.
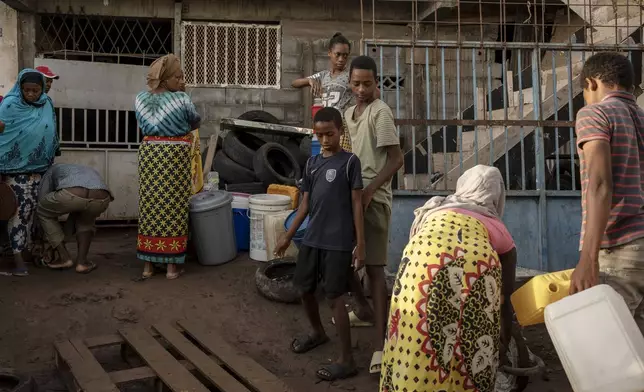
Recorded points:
45,70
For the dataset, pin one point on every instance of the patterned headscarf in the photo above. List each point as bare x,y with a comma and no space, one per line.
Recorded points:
163,69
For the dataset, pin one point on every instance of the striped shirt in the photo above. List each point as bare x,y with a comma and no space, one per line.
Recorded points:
618,120
165,114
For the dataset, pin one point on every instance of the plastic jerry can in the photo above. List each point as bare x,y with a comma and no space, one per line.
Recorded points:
597,340
531,299
286,190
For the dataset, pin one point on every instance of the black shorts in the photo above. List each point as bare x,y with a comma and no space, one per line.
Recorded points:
329,268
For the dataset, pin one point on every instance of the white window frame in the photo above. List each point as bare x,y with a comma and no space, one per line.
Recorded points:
186,52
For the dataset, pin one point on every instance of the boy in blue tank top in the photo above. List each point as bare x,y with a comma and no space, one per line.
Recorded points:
333,246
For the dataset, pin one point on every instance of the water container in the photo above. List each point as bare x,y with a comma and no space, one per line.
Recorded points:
531,299
261,205
273,230
317,105
241,220
597,340
315,146
299,234
211,218
286,190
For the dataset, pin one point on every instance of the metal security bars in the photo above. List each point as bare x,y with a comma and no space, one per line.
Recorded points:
497,83
103,39
231,54
97,129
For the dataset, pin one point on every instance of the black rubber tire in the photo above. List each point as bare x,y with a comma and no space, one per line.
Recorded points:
274,281
241,147
19,384
305,146
230,171
274,164
294,147
252,188
259,116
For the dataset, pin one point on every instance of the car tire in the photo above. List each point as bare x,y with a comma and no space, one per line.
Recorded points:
16,382
241,147
274,281
294,147
259,116
252,188
305,146
230,171
274,164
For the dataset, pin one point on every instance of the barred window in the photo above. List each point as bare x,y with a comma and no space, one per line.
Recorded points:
106,39
231,54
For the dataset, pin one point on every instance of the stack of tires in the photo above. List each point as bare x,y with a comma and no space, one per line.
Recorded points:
248,163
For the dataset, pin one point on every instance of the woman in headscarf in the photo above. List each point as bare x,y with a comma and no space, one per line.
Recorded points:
28,144
166,116
450,309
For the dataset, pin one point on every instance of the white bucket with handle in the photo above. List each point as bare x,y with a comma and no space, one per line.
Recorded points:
260,206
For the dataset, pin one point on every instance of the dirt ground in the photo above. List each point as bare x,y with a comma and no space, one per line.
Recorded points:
50,305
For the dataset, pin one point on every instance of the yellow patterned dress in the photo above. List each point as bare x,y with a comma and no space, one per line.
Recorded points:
444,327
165,185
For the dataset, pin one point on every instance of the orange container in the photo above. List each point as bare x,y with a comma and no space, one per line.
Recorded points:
286,190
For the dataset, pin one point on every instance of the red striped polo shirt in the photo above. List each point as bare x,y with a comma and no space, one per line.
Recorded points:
618,120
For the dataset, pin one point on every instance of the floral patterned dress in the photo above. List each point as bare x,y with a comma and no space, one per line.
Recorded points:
444,326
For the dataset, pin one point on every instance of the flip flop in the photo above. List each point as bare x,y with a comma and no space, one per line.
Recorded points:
355,322
90,267
21,273
62,266
174,276
376,363
304,344
336,371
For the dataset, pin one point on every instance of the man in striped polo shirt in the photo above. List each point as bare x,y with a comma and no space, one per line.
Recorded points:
610,141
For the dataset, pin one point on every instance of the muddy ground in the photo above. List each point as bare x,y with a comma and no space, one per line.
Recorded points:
50,305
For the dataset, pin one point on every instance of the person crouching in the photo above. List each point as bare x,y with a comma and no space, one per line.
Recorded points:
80,192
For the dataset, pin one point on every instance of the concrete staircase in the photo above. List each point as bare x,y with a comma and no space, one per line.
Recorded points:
600,12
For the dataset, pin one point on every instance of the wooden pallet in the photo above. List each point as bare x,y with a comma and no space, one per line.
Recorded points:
186,357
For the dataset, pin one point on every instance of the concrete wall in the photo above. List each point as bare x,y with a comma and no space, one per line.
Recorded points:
8,47
563,224
306,28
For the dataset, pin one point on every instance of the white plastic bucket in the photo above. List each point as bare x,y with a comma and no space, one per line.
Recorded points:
260,206
240,201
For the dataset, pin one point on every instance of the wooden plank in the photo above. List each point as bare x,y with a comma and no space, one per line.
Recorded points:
252,373
169,370
210,155
145,372
85,369
208,368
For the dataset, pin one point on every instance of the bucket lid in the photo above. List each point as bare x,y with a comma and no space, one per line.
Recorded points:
206,201
270,200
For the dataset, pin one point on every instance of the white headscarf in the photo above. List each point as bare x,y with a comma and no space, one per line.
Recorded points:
480,189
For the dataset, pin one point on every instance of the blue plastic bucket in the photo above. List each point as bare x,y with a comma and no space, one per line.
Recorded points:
315,146
299,234
241,221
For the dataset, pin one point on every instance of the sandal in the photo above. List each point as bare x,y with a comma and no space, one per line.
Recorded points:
376,363
355,321
18,272
61,266
301,345
336,371
90,266
173,276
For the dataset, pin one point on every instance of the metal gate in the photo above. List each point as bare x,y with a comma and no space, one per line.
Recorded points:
500,91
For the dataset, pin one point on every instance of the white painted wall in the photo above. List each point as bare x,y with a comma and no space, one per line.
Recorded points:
8,47
86,85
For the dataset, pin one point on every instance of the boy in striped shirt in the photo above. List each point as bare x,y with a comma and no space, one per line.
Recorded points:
610,141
